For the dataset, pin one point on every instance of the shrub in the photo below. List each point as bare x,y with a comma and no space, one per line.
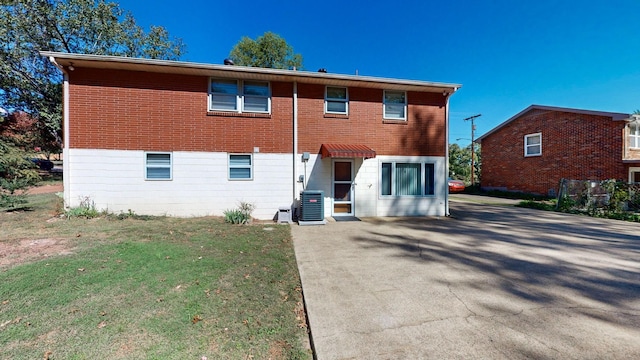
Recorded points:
87,209
241,215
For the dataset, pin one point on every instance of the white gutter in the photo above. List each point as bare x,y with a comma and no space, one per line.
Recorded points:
66,179
295,144
446,154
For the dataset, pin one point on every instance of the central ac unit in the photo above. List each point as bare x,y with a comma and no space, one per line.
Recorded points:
312,205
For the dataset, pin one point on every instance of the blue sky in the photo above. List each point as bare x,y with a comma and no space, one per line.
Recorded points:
507,54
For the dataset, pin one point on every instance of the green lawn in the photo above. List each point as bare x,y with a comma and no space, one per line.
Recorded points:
161,288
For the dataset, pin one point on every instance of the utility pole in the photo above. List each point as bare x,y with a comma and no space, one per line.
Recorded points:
473,153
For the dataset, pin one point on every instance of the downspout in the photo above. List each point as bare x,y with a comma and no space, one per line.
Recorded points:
294,180
446,152
66,178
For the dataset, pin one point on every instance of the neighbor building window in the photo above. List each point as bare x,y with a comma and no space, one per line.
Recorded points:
533,144
240,167
395,105
407,179
634,134
336,100
157,166
239,96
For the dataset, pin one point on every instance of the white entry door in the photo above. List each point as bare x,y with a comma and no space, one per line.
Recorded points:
343,188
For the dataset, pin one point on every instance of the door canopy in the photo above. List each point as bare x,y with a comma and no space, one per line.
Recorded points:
347,151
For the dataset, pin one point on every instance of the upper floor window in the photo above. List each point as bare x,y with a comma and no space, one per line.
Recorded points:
395,105
239,96
634,134
533,144
336,100
157,166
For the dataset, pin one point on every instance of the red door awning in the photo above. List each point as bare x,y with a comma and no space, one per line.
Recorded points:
347,151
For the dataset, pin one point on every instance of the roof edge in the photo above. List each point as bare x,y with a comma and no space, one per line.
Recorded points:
613,115
294,75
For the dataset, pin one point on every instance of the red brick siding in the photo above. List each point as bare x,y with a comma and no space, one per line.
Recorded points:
112,109
574,146
422,134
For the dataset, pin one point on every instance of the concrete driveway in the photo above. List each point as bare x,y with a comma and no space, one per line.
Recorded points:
489,282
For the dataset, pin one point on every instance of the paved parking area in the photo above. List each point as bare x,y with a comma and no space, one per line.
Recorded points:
489,282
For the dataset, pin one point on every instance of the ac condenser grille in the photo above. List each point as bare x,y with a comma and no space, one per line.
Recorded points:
312,205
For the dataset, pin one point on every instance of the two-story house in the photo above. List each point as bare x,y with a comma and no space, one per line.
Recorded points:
533,150
190,139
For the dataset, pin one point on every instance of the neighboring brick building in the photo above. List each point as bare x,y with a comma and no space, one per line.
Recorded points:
532,151
186,139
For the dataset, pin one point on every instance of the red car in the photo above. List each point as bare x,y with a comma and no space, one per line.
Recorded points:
456,185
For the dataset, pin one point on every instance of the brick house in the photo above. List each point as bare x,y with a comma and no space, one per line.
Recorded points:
190,139
533,150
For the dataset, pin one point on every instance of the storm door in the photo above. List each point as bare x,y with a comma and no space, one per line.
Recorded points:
343,188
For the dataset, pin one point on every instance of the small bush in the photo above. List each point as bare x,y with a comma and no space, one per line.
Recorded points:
531,204
241,215
130,214
87,209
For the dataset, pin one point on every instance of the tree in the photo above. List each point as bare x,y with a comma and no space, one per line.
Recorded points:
267,51
16,170
460,162
30,83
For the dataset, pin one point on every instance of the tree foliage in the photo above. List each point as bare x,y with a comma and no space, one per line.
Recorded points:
460,162
267,51
17,172
30,83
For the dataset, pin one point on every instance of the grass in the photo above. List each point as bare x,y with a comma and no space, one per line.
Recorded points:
158,288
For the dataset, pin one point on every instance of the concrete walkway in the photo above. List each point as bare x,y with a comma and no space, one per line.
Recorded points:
489,282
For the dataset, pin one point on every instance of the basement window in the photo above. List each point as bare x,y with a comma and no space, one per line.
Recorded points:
157,166
240,167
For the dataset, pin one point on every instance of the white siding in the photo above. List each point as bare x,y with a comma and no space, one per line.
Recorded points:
417,206
368,201
114,180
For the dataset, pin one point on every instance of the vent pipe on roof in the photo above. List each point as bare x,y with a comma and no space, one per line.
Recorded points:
228,62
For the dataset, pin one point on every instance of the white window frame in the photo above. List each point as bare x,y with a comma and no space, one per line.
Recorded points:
634,136
632,171
527,146
244,96
384,106
241,97
158,166
328,100
423,179
231,166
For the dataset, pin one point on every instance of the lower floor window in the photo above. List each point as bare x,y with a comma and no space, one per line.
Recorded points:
158,166
240,167
407,179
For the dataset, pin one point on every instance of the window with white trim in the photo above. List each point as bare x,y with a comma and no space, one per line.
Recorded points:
533,144
239,96
634,134
407,179
240,167
157,166
395,105
336,100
